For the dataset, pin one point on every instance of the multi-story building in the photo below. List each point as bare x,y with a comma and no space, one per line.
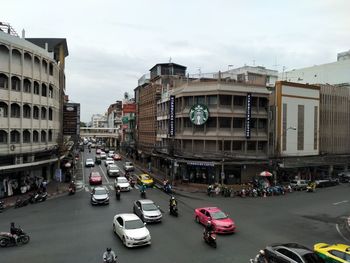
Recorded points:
99,121
32,87
330,73
128,126
214,129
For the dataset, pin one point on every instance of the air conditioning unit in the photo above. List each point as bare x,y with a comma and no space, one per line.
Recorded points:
18,159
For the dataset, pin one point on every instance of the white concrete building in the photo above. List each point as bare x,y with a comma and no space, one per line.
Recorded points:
330,73
99,121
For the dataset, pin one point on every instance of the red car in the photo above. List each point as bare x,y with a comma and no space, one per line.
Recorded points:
221,222
117,157
95,178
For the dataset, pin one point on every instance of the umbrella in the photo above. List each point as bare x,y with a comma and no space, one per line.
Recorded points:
265,173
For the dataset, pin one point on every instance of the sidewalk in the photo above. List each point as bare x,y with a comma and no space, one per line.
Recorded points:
53,189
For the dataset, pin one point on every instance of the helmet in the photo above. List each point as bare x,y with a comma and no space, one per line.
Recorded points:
209,223
262,252
12,224
172,198
109,249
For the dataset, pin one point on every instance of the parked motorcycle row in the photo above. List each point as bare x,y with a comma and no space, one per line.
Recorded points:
33,198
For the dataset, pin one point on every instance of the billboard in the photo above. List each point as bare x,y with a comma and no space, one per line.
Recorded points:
172,116
248,115
129,108
71,119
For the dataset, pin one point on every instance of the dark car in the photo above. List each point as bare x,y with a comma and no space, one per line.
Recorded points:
291,253
99,196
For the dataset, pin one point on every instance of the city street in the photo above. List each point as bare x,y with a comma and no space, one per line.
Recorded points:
69,229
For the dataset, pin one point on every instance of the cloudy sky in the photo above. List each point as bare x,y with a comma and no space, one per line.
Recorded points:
112,43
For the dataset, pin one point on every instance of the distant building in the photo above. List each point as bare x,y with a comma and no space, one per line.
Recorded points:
98,121
333,73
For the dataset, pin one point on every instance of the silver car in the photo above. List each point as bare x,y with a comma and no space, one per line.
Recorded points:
99,196
147,211
113,170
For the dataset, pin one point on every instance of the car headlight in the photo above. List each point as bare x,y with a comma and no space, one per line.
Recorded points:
93,199
130,238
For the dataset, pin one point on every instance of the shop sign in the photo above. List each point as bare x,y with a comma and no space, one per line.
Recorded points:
199,114
172,116
196,163
248,115
125,119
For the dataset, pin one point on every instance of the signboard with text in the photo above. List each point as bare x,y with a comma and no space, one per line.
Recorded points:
248,115
71,119
172,116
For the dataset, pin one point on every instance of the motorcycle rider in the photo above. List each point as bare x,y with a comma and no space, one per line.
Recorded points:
109,256
14,232
260,258
72,186
143,189
209,228
172,203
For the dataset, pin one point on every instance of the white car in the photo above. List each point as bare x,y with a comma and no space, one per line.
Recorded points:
128,167
113,170
131,230
123,183
110,153
103,155
109,161
89,163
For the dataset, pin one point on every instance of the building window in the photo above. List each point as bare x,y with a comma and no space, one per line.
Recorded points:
262,124
26,136
26,111
3,137
211,123
199,100
51,69
50,135
43,90
3,81
36,88
43,113
15,111
35,112
225,100
225,122
251,146
239,100
237,145
15,83
188,101
43,136
187,123
15,137
27,86
50,91
212,100
300,127
227,146
238,123
35,136
50,114
44,66
3,109
262,146
284,127
315,126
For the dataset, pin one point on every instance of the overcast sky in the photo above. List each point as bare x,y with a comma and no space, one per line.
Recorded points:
113,43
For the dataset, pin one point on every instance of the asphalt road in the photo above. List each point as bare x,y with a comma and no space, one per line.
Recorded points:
69,229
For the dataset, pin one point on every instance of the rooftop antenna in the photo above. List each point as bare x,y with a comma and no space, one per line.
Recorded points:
275,65
170,60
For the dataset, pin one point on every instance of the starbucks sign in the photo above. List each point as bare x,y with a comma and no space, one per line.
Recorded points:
199,114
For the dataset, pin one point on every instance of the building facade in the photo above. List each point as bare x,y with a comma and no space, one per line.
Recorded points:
31,101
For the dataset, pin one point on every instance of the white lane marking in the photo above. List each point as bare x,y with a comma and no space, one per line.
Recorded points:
341,202
337,227
87,189
103,173
111,187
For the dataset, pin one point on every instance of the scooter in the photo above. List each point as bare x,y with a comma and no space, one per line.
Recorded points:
21,202
6,239
173,210
2,206
38,197
117,194
210,239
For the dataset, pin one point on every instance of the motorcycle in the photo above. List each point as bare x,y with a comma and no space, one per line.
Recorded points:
173,210
38,197
71,190
132,182
2,206
21,202
210,239
6,239
117,194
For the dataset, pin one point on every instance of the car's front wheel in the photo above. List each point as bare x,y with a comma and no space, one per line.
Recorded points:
124,241
197,220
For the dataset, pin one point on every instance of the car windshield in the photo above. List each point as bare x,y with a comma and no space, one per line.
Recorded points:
122,180
100,191
134,224
149,207
89,160
313,258
218,215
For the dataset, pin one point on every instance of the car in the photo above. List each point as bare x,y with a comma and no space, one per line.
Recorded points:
95,178
109,161
113,170
123,183
89,163
147,211
117,157
333,253
344,177
98,151
99,196
291,253
98,159
145,179
103,155
93,145
110,154
131,230
221,222
128,167
299,185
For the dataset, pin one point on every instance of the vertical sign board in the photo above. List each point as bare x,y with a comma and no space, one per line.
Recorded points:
172,116
248,115
71,119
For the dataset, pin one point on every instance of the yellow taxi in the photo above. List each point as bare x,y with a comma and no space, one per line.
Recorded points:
145,179
333,253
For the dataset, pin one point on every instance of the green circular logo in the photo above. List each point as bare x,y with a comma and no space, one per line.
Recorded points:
199,114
